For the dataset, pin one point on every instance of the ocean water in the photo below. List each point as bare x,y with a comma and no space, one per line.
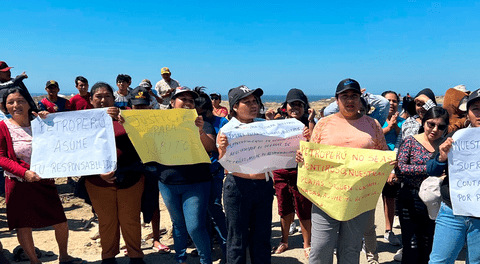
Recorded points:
265,98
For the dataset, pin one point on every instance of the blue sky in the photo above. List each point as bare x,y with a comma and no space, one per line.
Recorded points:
403,46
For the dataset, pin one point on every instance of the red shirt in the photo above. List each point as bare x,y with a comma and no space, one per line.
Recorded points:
80,102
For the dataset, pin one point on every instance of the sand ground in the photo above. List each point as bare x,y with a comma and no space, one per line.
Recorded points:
81,245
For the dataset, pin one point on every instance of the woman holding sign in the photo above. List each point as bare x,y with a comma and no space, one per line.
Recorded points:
186,188
32,202
290,200
347,128
247,197
412,170
116,196
452,232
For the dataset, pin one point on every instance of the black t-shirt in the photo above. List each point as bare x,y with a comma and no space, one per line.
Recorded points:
185,174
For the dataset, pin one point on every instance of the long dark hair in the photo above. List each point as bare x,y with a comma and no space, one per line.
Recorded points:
99,85
435,112
22,92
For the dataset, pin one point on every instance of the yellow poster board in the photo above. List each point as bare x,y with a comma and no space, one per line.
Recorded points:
343,182
168,137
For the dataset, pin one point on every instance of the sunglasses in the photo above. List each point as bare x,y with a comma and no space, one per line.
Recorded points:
215,98
432,125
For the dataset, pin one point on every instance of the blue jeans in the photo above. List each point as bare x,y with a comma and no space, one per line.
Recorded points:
451,233
248,207
187,205
216,214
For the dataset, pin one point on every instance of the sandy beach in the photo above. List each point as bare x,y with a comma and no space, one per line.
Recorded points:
81,245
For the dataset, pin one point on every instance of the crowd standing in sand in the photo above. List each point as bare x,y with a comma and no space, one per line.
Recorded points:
193,193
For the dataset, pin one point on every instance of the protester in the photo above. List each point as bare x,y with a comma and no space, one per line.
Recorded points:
289,199
139,98
347,128
391,130
247,197
32,202
186,188
6,81
81,100
53,103
412,170
166,86
218,110
116,196
378,102
424,100
123,84
452,232
216,215
155,100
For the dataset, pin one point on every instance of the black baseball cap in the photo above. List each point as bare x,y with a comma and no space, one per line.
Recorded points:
51,82
348,84
139,96
238,93
474,96
296,95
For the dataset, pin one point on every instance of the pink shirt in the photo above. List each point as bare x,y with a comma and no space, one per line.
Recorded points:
364,132
22,143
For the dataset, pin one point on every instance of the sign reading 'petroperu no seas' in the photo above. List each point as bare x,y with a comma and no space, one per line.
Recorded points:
73,143
343,182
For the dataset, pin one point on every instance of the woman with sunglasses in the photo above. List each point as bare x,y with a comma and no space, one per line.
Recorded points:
412,170
218,110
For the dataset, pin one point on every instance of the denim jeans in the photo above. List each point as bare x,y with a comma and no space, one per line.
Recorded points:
187,205
415,222
248,207
216,214
451,233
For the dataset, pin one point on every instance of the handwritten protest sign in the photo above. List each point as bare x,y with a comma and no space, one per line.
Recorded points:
464,168
73,144
168,137
343,182
262,146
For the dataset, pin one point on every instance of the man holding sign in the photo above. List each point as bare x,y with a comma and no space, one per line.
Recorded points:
342,226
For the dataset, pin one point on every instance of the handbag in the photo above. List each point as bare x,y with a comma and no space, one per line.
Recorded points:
429,193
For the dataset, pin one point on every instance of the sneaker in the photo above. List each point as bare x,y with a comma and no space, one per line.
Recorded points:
391,238
293,228
398,255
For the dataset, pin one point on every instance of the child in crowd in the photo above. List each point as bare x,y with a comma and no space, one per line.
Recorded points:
123,84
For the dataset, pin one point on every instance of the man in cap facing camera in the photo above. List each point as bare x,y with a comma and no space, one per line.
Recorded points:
6,81
52,103
166,86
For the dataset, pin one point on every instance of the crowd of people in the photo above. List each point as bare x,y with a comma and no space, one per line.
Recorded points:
420,132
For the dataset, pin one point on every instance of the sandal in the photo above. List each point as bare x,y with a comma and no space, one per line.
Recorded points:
307,252
281,248
162,249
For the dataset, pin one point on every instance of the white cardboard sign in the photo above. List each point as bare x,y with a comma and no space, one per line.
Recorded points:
73,143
